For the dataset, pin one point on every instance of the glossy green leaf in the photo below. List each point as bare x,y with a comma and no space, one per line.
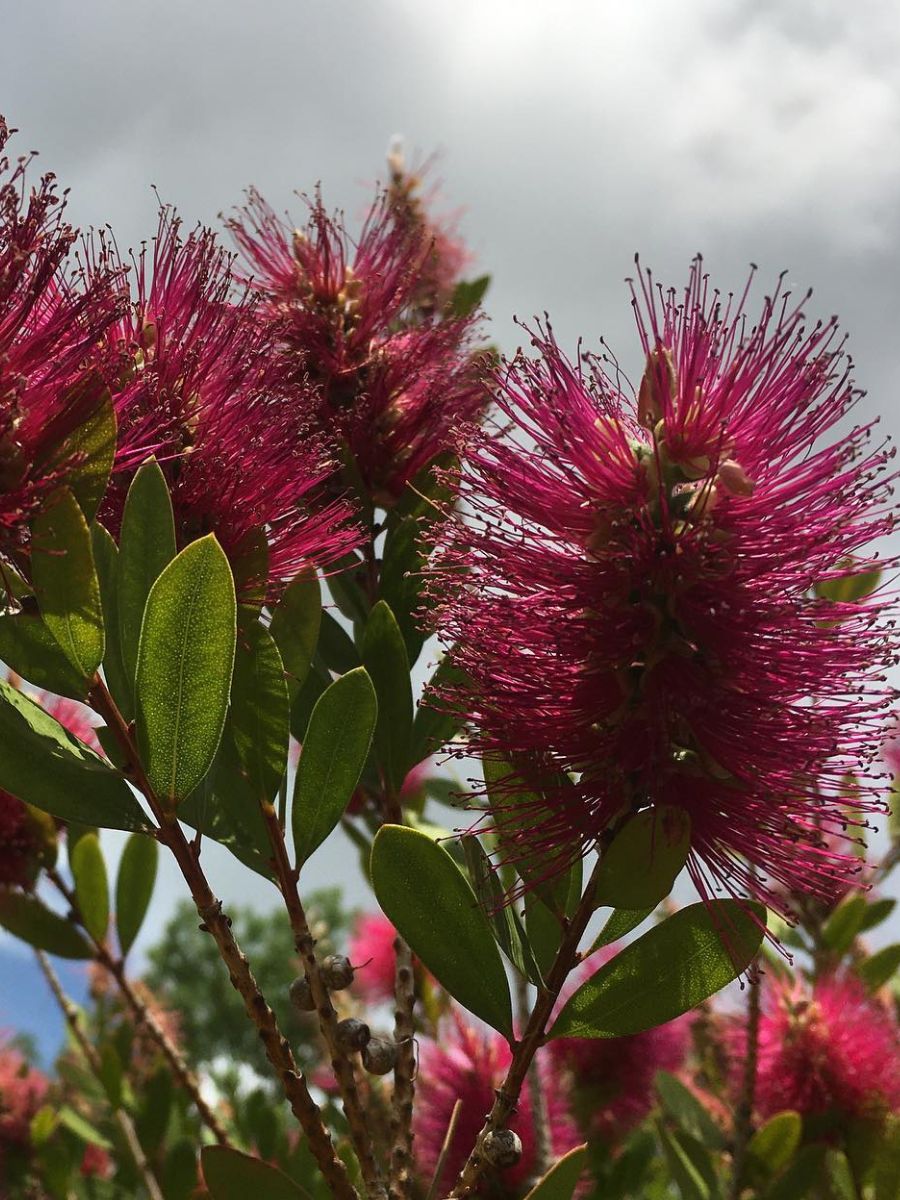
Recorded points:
184,668
563,1177
845,923
468,294
682,1106
544,931
106,559
877,910
449,933
638,869
620,922
134,887
860,581
774,1144
384,657
91,885
839,1176
508,930
295,626
336,648
668,971
82,1128
250,568
333,756
65,581
232,1175
691,1166
111,1073
29,648
28,918
89,452
260,719
146,547
886,1167
879,968
45,765
802,1178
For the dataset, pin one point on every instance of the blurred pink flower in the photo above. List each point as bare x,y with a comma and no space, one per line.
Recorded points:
22,1092
371,950
468,1065
832,1049
20,843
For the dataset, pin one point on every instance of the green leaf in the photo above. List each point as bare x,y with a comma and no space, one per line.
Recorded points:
693,1182
184,668
467,295
501,914
433,728
90,451
876,911
774,1144
295,626
845,923
619,923
146,547
47,766
82,1128
384,656
157,1100
26,917
804,1174
29,648
91,885
231,1175
563,1177
544,931
335,646
886,1168
668,971
334,753
111,1074
260,721
839,1176
106,559
639,867
683,1107
860,581
429,900
65,581
134,887
876,970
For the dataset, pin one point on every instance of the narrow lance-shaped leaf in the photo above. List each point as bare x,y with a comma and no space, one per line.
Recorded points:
45,765
29,648
640,866
620,922
28,918
146,547
89,452
185,661
65,581
504,920
134,887
295,627
668,971
429,900
106,558
334,753
260,720
563,1177
384,656
91,885
230,1174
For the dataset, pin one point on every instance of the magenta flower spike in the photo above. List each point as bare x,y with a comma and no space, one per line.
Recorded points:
391,383
628,589
49,324
198,385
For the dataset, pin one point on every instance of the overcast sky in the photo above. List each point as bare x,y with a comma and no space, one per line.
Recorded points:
573,134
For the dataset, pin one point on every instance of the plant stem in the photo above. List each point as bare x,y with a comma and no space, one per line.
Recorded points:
144,1017
445,1150
122,1119
404,1071
218,924
325,1010
743,1117
507,1095
542,1146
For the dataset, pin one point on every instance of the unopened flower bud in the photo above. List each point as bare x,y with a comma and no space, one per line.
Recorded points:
337,972
734,478
353,1034
502,1148
379,1056
659,387
301,996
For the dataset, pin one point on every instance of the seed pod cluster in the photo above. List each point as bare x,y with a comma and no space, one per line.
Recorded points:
337,972
380,1056
353,1034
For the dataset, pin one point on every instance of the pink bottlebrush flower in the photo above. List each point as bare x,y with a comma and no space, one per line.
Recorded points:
49,324
627,589
829,1050
22,1092
469,1065
391,384
96,1163
22,842
198,384
371,950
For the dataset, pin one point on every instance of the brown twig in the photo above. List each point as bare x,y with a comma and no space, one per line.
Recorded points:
507,1095
404,1072
218,924
542,1146
122,1119
743,1117
144,1017
341,1064
445,1150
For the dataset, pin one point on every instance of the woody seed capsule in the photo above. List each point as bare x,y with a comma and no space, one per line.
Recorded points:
337,972
353,1034
301,996
502,1148
379,1056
